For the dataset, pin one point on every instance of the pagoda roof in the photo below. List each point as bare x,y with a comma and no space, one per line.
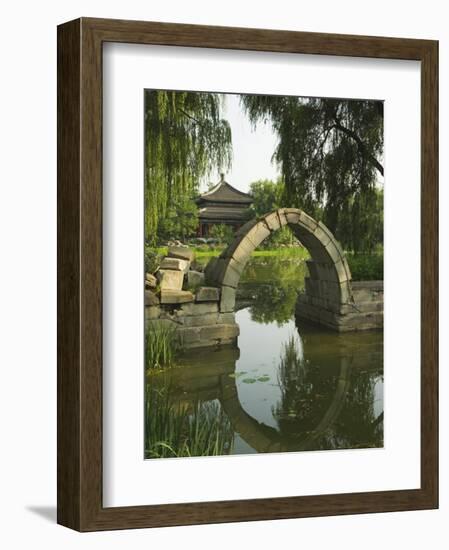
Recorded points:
225,193
217,213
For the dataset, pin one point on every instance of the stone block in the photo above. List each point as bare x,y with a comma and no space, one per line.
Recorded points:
307,222
199,308
182,252
150,280
309,241
329,290
246,227
293,215
334,251
152,312
170,279
313,270
363,307
342,270
227,301
304,298
272,221
323,234
229,250
345,292
231,274
151,299
258,234
210,271
282,217
207,294
175,263
226,318
194,278
217,332
199,320
176,296
308,312
327,272
373,319
318,302
189,336
197,266
366,291
227,272
241,252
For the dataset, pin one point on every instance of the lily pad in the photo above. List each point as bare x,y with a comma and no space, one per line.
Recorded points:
263,378
237,374
249,380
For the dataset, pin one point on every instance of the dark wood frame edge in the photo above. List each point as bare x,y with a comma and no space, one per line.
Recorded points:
80,274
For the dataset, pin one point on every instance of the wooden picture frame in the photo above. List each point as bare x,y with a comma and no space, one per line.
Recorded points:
80,504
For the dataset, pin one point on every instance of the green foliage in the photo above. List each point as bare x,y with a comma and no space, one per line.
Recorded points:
152,259
267,196
224,233
185,139
330,152
281,237
272,284
180,221
161,347
308,390
172,431
366,267
362,222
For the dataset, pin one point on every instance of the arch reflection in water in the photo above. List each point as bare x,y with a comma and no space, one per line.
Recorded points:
288,387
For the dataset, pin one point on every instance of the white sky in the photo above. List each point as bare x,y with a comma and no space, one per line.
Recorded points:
252,149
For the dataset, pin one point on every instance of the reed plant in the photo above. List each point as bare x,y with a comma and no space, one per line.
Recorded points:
161,347
172,430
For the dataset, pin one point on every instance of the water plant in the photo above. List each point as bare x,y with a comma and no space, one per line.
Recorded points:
183,430
161,346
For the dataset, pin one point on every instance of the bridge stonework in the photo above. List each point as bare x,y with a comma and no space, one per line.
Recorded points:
328,298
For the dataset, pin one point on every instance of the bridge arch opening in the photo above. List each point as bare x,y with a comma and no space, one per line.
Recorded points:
328,290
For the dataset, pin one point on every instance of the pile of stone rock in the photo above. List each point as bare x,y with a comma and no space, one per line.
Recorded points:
177,296
178,279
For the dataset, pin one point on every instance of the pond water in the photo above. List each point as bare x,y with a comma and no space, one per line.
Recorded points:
287,387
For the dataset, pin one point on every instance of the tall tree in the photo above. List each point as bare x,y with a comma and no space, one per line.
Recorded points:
267,196
330,152
185,139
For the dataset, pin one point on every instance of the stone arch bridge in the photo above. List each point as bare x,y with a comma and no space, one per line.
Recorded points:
330,298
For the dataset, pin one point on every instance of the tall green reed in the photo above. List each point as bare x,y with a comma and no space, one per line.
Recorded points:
172,430
161,346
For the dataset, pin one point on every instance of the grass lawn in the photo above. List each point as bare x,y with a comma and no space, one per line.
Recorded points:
296,252
364,267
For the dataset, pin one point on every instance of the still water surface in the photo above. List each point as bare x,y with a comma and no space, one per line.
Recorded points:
288,386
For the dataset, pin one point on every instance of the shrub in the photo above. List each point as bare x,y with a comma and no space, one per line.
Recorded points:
223,233
152,259
366,267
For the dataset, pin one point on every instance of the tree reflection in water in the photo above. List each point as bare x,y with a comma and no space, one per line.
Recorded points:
289,386
324,407
271,285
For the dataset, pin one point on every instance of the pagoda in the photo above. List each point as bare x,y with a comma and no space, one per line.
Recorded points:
223,204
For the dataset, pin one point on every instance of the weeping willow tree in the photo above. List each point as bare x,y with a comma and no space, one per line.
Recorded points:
185,139
330,152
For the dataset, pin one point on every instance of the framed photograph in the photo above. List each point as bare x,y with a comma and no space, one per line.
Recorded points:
247,274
